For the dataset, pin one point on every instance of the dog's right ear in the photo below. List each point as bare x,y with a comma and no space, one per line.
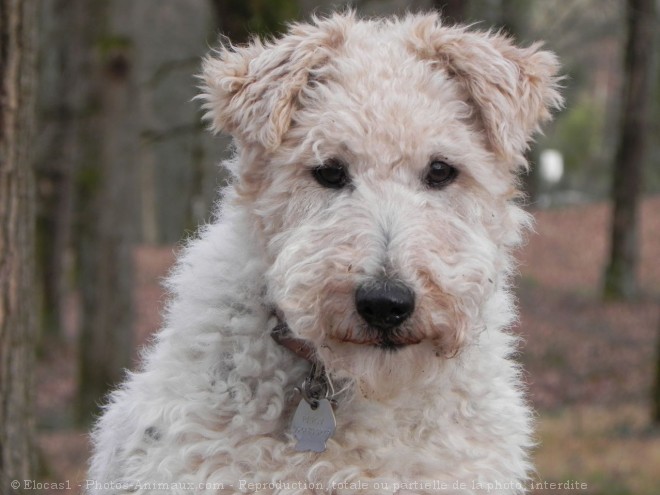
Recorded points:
252,91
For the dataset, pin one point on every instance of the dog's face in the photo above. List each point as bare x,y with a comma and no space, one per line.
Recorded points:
378,160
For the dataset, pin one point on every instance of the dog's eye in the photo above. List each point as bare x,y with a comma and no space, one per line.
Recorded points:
331,174
440,174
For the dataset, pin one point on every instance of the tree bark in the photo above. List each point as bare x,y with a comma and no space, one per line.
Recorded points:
621,271
18,329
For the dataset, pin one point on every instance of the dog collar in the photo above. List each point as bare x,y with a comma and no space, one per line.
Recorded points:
301,348
317,385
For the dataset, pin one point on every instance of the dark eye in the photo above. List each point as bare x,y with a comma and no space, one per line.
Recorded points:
440,174
331,174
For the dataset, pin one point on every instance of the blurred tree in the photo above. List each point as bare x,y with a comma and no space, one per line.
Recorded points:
18,326
57,117
513,18
454,11
232,17
655,393
631,154
239,19
177,158
585,132
116,116
106,192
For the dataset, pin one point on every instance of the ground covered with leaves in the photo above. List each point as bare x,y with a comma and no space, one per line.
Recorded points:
589,364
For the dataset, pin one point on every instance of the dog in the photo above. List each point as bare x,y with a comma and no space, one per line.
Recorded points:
343,325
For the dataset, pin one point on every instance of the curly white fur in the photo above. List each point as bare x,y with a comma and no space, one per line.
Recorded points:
210,409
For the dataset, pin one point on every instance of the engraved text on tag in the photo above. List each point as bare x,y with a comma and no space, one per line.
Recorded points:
313,427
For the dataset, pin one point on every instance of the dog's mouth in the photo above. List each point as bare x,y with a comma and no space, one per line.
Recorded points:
390,342
389,346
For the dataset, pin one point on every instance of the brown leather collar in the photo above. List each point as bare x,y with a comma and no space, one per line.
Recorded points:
301,348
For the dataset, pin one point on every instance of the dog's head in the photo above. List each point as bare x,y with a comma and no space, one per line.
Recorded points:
378,159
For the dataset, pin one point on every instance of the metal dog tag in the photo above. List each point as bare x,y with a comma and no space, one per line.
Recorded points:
313,427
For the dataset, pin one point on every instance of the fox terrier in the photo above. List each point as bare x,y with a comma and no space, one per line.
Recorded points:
342,327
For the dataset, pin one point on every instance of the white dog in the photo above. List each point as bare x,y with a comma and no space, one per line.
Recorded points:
342,327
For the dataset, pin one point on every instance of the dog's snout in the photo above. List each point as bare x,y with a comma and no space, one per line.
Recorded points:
384,304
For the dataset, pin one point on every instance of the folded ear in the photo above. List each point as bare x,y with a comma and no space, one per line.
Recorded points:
251,92
513,89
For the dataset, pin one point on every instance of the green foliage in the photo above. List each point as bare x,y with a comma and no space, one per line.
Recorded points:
652,170
578,132
88,182
264,17
579,135
107,45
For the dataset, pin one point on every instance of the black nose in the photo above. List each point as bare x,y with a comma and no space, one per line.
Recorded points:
384,304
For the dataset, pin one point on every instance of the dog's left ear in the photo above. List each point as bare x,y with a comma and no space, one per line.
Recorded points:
513,89
252,91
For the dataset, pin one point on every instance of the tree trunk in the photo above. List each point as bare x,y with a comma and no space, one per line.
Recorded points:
453,11
621,271
58,110
106,180
655,393
18,329
232,17
513,17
